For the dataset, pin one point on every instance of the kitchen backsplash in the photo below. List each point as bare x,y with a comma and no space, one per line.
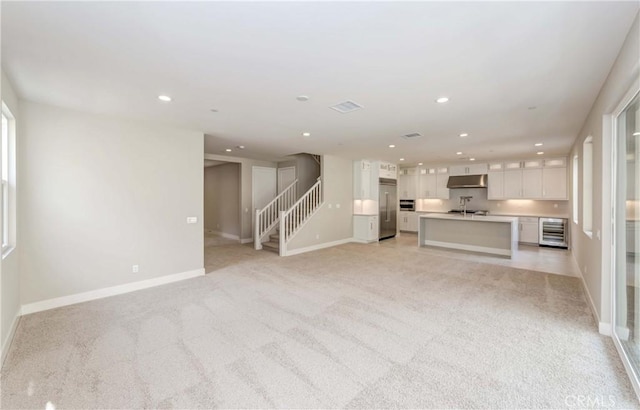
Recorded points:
507,206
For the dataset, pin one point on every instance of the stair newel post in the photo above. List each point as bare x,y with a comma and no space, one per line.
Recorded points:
257,245
283,233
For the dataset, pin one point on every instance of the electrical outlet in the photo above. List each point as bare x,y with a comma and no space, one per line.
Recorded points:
330,206
338,206
555,205
135,268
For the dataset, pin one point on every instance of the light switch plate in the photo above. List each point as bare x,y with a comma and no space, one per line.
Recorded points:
192,219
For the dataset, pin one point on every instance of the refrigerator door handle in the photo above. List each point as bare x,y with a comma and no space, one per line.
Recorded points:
386,195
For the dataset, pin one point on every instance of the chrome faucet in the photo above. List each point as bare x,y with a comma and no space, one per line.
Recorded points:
463,204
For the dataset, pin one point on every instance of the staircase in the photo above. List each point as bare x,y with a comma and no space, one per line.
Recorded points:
268,217
273,244
288,222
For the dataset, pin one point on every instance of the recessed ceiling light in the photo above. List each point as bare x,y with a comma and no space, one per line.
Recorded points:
240,147
302,98
419,163
228,149
442,100
392,146
540,152
164,98
459,153
306,134
635,134
401,159
472,159
464,134
537,144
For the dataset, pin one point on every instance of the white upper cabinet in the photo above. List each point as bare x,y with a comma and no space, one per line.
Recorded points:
524,179
362,180
442,177
427,183
512,183
468,169
554,182
532,183
407,183
529,179
495,185
432,183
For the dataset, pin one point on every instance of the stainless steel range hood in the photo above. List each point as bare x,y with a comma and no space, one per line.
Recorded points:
467,181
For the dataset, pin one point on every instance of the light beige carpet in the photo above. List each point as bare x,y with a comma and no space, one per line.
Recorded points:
355,326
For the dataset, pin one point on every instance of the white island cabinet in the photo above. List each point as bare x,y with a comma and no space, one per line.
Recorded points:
496,235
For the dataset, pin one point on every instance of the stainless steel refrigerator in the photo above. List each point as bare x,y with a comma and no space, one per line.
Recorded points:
388,205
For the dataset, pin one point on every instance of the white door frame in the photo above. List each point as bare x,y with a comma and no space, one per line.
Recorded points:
257,186
609,155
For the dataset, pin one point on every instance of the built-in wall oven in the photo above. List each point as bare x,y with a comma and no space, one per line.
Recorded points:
554,232
407,205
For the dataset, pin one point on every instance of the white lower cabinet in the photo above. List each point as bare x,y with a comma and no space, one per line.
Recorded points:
408,221
528,230
365,227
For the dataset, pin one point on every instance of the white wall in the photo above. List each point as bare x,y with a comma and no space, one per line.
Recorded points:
9,267
246,197
589,251
330,224
100,194
222,199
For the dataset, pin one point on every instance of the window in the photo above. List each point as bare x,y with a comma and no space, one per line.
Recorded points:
7,173
574,197
587,186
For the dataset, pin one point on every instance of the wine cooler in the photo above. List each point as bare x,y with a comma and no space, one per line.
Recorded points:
554,232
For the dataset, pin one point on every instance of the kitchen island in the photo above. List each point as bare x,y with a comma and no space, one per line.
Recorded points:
496,235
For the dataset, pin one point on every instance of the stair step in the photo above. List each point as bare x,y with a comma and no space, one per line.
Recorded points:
275,237
271,246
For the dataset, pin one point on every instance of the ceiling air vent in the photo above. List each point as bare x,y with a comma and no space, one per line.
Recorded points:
412,136
345,107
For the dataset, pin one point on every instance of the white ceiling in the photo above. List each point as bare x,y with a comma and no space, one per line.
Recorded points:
250,61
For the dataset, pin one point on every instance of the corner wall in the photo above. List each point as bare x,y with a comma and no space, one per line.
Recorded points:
246,190
100,194
333,222
588,251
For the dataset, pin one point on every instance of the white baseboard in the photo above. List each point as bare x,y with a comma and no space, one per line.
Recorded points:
224,234
6,343
603,327
246,240
106,292
358,240
317,247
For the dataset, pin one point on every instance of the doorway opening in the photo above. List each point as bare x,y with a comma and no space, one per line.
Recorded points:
221,203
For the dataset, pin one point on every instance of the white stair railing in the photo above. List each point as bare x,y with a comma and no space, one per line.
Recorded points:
293,219
268,217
